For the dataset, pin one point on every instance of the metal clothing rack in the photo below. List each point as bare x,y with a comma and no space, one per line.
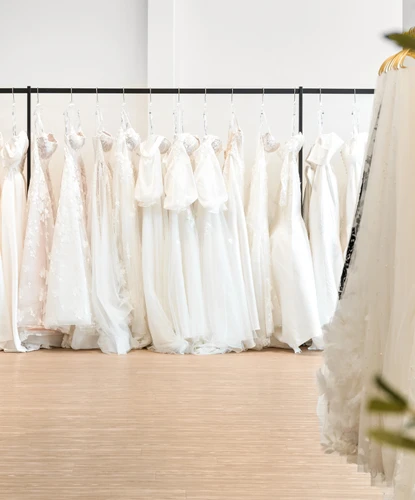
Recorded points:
300,91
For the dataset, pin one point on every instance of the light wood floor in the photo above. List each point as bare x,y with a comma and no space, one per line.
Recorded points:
87,426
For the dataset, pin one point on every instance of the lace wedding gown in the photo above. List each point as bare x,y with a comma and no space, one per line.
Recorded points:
228,321
38,244
233,172
184,285
259,242
149,193
128,226
292,263
13,219
358,339
110,305
324,225
68,302
352,154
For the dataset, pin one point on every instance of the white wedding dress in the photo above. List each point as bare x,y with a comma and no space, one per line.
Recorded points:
356,340
259,242
110,304
184,285
352,154
228,321
292,263
149,193
233,172
13,221
38,244
128,224
324,225
68,302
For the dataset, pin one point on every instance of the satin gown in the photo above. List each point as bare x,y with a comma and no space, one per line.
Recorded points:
149,193
296,311
13,221
324,225
228,320
128,225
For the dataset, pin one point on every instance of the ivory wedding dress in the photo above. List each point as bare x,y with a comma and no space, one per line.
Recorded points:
149,193
128,226
38,244
259,242
68,302
228,321
184,285
13,219
356,340
352,154
233,172
110,305
292,263
324,225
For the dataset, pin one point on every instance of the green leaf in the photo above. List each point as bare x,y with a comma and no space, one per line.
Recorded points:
382,406
403,40
393,439
392,393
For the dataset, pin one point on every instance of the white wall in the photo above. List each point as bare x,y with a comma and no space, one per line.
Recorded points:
408,14
70,44
318,43
195,43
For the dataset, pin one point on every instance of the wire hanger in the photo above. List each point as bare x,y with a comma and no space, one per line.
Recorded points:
98,114
14,125
262,116
205,119
320,114
177,115
150,113
294,115
355,114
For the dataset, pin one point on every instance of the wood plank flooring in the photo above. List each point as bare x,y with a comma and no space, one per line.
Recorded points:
146,426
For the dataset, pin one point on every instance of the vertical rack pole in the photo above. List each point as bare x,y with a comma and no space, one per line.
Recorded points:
300,129
29,132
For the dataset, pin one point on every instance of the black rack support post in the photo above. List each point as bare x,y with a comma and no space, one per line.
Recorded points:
29,133
300,129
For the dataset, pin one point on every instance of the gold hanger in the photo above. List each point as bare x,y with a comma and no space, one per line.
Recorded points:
396,61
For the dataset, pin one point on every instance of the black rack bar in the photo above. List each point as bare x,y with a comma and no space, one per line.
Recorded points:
301,91
103,90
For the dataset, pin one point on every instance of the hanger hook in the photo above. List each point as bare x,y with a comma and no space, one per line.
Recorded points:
354,96
263,96
295,96
97,95
71,97
14,100
150,97
321,98
232,97
123,95
37,95
178,96
205,97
